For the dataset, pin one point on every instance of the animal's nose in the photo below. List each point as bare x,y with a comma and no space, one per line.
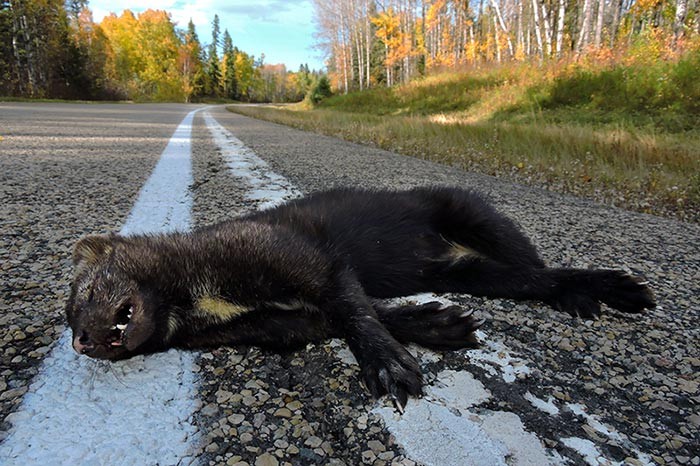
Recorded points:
82,343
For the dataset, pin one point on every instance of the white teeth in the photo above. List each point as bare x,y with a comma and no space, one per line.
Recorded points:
121,326
131,311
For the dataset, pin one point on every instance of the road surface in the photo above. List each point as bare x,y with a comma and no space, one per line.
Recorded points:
544,388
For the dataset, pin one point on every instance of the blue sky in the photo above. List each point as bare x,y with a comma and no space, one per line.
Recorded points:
281,29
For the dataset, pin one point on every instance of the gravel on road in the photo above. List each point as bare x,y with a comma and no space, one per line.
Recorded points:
626,384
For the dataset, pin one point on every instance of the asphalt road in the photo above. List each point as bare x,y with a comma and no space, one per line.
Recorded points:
617,390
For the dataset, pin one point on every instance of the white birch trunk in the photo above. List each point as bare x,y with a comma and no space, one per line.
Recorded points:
598,37
503,26
679,18
584,33
538,32
498,42
547,29
560,26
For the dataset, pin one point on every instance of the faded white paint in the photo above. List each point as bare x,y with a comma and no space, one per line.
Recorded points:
548,406
589,451
458,389
608,431
495,358
266,187
447,427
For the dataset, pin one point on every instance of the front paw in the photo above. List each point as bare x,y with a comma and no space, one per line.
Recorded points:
390,369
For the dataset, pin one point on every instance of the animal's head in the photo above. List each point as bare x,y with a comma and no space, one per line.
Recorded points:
112,315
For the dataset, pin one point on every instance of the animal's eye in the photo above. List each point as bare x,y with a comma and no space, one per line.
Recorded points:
124,314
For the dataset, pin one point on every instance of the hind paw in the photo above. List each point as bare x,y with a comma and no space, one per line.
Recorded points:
626,293
577,305
441,327
615,288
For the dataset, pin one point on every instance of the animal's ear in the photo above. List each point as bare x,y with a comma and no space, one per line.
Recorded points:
90,249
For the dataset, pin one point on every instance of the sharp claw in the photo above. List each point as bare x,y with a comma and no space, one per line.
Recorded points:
371,385
399,394
397,405
385,379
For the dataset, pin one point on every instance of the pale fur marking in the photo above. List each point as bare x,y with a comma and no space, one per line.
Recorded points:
220,309
460,251
173,325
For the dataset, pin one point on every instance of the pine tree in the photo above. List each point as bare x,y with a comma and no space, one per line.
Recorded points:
230,84
213,69
190,60
7,61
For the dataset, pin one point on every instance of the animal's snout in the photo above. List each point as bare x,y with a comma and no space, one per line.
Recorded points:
82,343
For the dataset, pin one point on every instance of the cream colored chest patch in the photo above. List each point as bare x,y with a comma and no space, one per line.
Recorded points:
220,309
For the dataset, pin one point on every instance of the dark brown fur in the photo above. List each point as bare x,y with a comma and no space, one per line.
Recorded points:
307,270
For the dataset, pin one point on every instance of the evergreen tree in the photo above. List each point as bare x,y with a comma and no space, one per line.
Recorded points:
230,83
74,7
191,59
320,89
304,79
7,61
213,68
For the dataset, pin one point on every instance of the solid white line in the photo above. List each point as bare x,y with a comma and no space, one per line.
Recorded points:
134,412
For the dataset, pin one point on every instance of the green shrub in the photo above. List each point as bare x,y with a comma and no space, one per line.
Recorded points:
319,90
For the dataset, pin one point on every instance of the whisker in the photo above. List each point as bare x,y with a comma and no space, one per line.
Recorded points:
118,377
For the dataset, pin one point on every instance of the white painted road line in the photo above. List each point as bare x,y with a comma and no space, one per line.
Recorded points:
165,202
80,411
265,187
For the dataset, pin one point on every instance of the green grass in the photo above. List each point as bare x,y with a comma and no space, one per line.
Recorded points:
622,135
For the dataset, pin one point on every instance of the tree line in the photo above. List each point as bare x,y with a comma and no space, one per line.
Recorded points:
371,42
52,49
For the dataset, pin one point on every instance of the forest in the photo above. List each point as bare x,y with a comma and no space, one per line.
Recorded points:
52,49
599,98
388,42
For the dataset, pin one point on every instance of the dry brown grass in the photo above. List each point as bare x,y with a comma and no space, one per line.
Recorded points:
654,173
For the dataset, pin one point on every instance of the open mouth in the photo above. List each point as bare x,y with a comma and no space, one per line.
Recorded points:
119,329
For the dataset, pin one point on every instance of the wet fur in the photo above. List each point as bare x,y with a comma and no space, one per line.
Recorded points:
309,270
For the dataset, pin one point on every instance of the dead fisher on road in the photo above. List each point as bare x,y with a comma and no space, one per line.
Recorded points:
313,269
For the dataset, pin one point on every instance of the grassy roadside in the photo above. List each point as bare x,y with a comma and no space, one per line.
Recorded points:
509,123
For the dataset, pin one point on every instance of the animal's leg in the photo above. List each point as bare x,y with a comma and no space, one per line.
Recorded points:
272,328
386,366
471,226
432,325
576,291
